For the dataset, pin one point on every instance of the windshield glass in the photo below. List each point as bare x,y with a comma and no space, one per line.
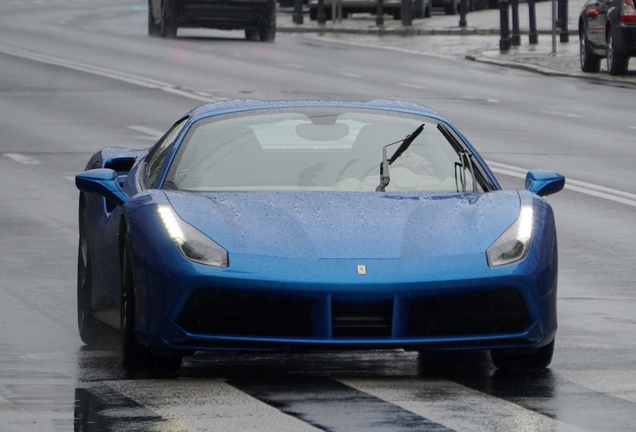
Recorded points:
314,149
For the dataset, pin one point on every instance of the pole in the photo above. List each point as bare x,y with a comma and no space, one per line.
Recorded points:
407,12
554,21
563,17
515,40
322,17
298,12
463,10
504,41
379,14
533,36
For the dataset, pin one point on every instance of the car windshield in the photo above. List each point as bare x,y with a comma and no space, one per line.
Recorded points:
315,149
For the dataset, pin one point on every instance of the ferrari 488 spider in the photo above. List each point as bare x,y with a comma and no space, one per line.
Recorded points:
302,225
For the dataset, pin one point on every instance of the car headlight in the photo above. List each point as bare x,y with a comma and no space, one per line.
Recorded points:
194,245
513,245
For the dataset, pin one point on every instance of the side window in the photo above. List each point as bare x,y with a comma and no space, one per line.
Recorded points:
158,154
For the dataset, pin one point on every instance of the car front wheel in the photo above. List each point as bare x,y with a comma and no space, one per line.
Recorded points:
523,360
590,62
89,327
267,33
617,62
136,358
154,28
169,19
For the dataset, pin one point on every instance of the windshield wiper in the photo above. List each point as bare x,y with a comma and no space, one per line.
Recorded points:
385,178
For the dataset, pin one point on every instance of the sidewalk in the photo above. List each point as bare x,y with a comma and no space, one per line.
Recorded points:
441,36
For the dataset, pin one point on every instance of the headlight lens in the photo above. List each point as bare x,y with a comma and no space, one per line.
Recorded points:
513,245
194,245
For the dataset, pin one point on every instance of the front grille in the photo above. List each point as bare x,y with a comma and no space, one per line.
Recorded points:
361,319
219,312
486,313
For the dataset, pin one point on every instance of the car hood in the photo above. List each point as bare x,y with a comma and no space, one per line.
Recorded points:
349,225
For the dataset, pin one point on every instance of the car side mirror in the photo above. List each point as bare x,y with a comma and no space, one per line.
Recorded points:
542,182
102,182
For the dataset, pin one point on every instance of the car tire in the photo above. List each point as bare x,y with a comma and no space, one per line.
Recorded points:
89,327
267,33
137,358
313,13
250,34
154,29
482,4
169,19
450,8
617,62
590,62
523,360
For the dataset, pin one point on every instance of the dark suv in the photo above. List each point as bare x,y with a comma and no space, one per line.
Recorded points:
257,17
607,28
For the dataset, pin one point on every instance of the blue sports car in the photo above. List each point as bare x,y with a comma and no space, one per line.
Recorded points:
302,225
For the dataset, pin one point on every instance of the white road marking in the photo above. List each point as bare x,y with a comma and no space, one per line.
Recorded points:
563,114
294,65
617,383
154,133
350,75
210,405
70,178
108,73
456,406
17,157
575,185
413,86
493,100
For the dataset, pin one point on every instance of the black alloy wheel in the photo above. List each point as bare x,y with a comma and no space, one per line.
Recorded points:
617,62
136,358
89,327
169,19
154,27
590,62
523,360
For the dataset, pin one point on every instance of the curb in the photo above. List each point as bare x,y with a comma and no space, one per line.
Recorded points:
405,31
598,76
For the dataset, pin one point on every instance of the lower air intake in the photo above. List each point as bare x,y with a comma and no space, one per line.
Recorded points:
361,319
486,313
219,312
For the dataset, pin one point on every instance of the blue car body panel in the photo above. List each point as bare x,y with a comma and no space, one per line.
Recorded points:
300,252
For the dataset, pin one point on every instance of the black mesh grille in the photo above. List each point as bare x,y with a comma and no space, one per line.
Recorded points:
361,319
493,312
219,312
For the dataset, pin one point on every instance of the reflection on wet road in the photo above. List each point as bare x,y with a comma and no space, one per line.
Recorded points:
340,391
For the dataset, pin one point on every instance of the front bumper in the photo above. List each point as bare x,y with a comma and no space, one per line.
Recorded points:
227,14
193,307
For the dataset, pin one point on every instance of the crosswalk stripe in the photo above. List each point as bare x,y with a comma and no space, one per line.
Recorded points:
616,383
207,405
456,406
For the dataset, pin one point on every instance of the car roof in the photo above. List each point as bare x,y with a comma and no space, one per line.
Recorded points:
241,105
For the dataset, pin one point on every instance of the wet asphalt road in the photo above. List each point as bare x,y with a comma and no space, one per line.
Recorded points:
79,75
